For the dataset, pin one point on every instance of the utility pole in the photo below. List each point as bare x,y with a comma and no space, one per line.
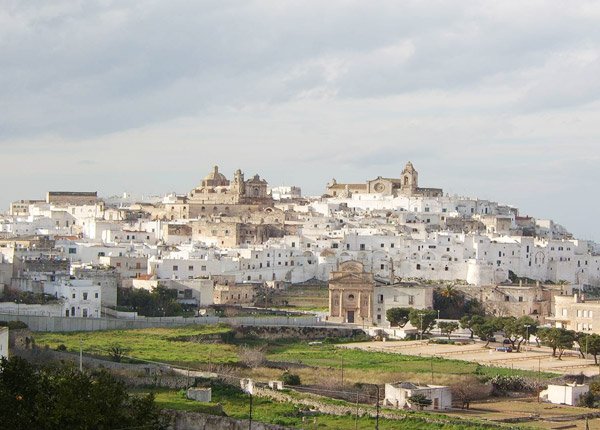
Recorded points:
421,317
342,357
80,354
377,416
431,361
356,419
250,420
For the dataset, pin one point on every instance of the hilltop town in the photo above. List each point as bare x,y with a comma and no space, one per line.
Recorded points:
390,263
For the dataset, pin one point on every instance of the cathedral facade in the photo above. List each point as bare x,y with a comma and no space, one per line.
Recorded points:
406,185
216,195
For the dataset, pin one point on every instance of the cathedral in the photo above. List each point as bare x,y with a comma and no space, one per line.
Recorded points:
217,195
406,185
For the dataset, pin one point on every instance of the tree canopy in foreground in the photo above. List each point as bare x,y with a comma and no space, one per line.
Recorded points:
64,398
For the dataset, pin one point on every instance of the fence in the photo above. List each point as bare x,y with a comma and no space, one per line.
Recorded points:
64,324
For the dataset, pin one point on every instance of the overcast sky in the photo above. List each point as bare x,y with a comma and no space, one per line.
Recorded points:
498,100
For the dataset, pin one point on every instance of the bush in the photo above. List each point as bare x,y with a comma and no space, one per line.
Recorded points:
510,383
291,379
61,347
13,325
252,357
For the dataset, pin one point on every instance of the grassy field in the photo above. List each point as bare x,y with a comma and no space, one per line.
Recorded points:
156,344
166,345
236,404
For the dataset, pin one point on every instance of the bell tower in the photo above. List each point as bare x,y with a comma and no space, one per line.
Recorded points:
238,187
410,179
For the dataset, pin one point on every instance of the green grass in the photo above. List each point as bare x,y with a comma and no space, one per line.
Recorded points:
329,356
236,404
159,344
155,344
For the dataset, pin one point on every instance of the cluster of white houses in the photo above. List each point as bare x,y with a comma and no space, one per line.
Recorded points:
227,233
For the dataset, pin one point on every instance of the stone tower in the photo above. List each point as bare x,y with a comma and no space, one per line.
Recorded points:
238,186
410,179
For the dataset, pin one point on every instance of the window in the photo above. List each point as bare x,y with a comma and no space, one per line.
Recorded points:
85,312
85,295
190,268
520,298
382,266
203,268
382,245
362,246
95,295
72,250
418,267
507,298
73,295
380,298
391,245
411,300
351,297
175,268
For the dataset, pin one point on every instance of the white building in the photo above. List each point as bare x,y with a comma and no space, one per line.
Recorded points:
567,394
398,395
3,342
80,297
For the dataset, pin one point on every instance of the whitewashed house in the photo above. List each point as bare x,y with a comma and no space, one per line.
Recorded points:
398,395
567,394
80,297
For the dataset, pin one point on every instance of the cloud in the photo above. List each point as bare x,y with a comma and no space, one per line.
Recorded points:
489,99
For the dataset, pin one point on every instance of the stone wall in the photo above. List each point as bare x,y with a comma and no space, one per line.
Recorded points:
182,420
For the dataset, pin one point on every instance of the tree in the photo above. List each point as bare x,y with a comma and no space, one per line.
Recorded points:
252,357
589,344
557,339
63,397
422,319
468,322
420,400
470,390
398,316
523,327
447,327
485,330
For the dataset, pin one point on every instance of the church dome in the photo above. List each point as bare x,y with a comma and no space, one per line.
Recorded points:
215,179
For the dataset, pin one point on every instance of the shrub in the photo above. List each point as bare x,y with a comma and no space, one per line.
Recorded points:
61,347
252,357
291,379
13,325
510,383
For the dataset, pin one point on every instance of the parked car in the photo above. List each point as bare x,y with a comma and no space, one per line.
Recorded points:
507,342
504,349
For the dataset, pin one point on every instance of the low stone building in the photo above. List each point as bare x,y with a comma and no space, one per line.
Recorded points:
199,394
235,294
534,300
398,395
